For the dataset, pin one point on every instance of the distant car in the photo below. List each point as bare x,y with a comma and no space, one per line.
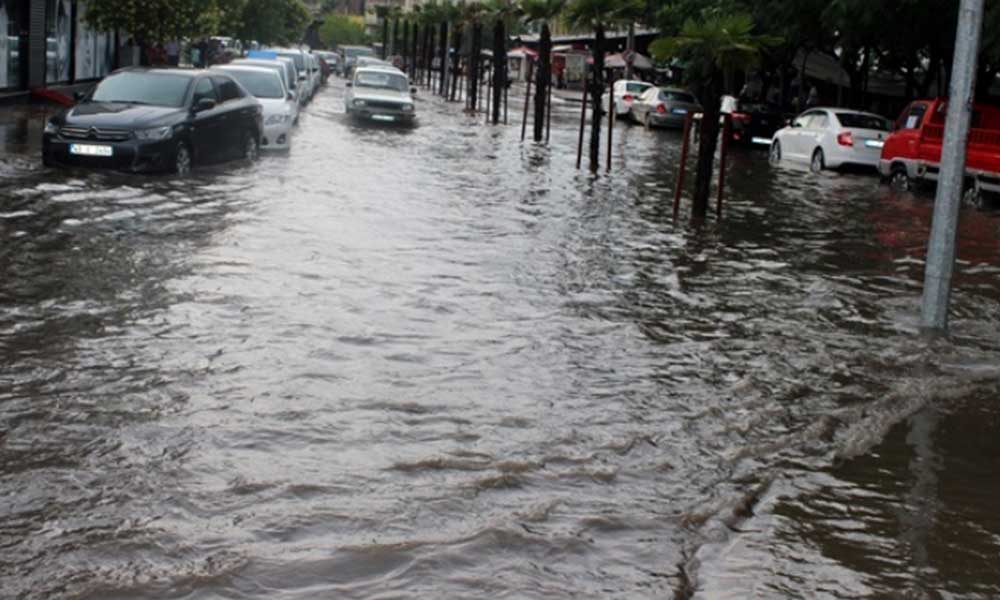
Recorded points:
329,63
667,107
279,108
753,124
298,56
285,70
143,119
624,92
380,94
315,72
828,138
349,56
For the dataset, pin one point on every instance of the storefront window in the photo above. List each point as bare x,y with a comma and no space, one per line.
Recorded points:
58,30
94,50
9,44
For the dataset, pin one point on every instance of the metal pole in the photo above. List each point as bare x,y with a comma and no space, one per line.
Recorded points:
527,99
684,154
548,105
611,124
944,228
506,89
583,121
727,129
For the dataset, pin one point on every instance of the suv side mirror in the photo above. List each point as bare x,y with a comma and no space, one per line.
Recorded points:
204,104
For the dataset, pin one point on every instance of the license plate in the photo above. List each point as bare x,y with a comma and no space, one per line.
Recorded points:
680,111
386,118
90,150
761,140
874,143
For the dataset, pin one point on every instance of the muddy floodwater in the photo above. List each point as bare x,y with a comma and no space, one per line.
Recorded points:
440,363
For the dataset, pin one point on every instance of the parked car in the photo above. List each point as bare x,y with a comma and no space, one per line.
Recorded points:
624,92
285,70
279,108
349,56
315,72
305,88
664,107
753,123
143,119
828,138
380,94
913,151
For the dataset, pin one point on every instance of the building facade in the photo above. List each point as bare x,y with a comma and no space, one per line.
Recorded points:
48,43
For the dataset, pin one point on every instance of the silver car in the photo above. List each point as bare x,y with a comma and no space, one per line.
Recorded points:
667,107
380,93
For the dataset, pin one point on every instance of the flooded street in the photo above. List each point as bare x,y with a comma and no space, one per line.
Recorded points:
440,363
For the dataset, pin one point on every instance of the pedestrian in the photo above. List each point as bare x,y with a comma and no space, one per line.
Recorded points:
173,49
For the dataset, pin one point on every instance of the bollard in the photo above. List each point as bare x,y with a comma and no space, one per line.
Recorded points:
611,123
723,152
684,153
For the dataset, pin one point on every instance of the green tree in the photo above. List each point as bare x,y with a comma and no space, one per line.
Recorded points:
597,16
160,20
272,21
543,12
710,46
338,30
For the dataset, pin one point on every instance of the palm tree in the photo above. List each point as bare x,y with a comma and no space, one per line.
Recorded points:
544,12
713,45
472,16
598,15
501,13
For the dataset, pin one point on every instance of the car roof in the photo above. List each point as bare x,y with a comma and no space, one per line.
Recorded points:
162,71
379,69
676,89
639,81
251,68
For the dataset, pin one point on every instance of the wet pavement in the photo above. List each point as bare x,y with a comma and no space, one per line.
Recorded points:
440,363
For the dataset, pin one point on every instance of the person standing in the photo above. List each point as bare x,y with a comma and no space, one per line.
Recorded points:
173,49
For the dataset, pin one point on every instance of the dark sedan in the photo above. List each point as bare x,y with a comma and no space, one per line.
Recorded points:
755,124
143,120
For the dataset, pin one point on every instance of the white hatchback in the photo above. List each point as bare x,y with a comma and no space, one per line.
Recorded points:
827,138
624,92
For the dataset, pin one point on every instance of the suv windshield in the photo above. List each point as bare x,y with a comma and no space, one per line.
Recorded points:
261,85
381,79
863,121
158,89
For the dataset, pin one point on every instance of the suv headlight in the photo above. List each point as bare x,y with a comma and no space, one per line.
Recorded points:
360,103
156,133
277,119
407,108
51,127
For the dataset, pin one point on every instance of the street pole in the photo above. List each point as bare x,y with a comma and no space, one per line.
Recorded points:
944,228
630,50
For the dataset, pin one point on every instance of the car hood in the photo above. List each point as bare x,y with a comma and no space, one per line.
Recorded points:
383,95
114,115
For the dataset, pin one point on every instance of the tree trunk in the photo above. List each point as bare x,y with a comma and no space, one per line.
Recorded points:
802,79
456,40
708,138
499,66
415,67
475,52
385,36
395,37
630,48
406,46
543,79
596,93
443,83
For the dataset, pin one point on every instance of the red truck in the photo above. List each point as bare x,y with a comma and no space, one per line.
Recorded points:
913,151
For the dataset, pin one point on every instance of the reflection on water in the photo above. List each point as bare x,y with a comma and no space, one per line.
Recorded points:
436,362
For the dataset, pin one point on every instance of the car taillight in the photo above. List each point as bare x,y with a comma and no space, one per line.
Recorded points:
742,117
628,98
661,109
845,139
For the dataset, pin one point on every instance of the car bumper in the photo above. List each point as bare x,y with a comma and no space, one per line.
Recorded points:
838,158
276,137
667,120
129,155
382,115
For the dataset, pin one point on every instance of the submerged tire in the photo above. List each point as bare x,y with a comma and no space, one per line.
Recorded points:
899,179
182,159
774,155
818,162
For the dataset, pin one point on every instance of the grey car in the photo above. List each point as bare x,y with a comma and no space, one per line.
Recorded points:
380,93
664,107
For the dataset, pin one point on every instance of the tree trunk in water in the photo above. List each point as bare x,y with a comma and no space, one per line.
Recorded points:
413,53
443,83
456,62
596,93
543,79
474,55
499,67
406,45
428,53
708,138
395,37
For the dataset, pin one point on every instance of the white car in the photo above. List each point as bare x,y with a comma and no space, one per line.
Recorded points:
285,69
827,138
314,71
626,91
267,87
380,94
306,89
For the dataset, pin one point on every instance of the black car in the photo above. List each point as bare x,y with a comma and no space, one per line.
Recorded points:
755,124
144,120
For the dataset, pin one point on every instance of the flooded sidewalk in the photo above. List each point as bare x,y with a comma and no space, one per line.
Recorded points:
439,362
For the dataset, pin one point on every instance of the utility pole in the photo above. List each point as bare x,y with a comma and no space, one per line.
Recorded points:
944,228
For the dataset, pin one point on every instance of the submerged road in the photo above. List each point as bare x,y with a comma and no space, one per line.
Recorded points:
440,363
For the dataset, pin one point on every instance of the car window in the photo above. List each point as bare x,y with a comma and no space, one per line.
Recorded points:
381,79
204,90
814,120
636,88
264,84
863,121
913,117
649,94
677,97
228,90
157,89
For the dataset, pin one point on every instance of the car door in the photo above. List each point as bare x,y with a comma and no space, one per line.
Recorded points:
793,141
814,134
234,121
644,104
206,131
